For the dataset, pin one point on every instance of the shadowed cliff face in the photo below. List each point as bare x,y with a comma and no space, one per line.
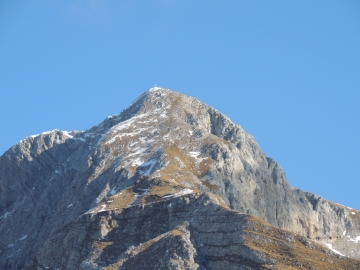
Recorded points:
69,194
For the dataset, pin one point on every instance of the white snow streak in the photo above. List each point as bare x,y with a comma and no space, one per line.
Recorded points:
79,139
196,156
178,194
150,164
43,133
23,238
356,240
103,208
334,250
138,151
89,134
155,89
5,215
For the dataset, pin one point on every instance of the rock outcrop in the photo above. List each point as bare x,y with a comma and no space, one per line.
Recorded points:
170,183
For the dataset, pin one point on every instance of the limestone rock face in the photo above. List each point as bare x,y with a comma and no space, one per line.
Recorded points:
169,183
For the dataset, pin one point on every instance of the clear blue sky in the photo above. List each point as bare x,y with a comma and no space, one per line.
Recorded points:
287,71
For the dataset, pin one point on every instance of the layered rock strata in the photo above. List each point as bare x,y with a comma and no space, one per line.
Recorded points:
65,192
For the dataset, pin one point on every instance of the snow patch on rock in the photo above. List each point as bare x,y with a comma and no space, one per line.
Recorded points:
333,250
180,193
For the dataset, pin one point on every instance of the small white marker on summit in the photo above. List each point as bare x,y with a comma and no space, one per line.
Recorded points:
155,88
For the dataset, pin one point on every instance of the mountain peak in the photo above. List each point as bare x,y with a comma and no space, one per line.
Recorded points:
156,88
166,162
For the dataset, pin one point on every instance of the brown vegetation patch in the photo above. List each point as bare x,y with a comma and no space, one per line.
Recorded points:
204,167
190,163
100,245
164,190
176,232
177,101
292,251
157,192
180,166
122,199
210,186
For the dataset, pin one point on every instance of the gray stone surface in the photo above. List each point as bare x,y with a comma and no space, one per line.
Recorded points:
59,181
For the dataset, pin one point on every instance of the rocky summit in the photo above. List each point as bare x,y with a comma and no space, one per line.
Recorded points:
169,183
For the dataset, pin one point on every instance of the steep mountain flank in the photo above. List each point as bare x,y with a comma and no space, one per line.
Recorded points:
170,183
193,231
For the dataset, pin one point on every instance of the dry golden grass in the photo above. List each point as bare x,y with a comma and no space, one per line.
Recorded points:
100,245
164,190
175,171
190,164
176,232
292,255
121,200
177,101
210,186
204,167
